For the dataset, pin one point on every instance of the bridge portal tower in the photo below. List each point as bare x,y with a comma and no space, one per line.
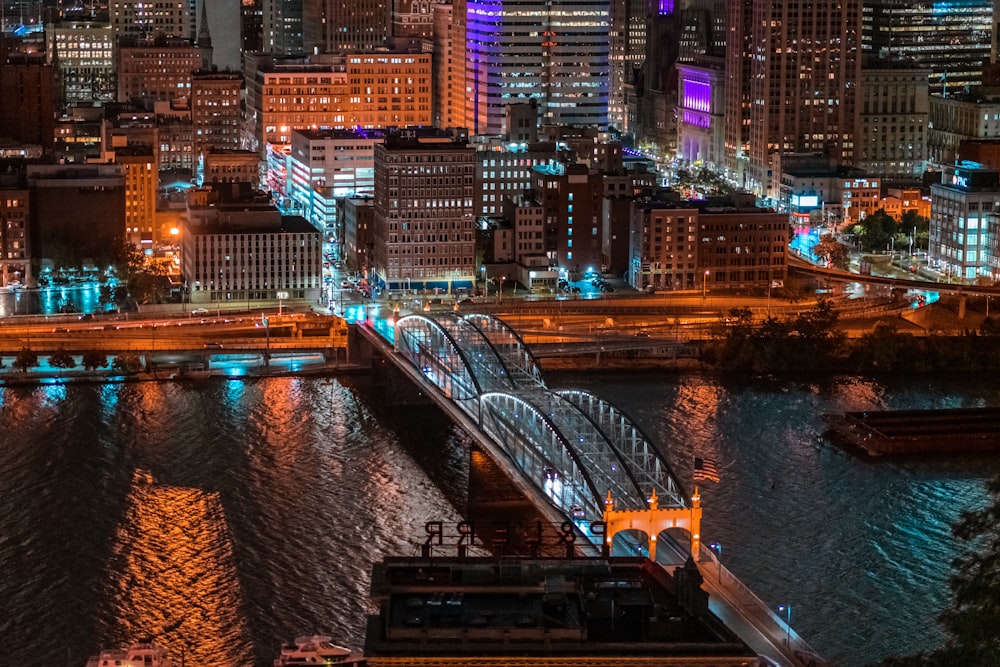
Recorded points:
654,520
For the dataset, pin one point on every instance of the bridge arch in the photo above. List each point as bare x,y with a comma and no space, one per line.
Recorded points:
511,350
648,465
560,443
538,448
421,340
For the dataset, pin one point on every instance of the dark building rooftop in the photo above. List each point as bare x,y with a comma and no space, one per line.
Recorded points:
628,609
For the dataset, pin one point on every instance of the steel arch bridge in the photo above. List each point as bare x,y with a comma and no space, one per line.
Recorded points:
572,445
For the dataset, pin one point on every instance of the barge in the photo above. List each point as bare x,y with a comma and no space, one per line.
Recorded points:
945,431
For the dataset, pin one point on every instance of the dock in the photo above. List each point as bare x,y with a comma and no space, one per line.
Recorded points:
944,431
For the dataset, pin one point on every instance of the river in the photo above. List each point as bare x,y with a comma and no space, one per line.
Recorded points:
230,515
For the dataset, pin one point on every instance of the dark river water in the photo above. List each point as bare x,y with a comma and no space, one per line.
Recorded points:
228,516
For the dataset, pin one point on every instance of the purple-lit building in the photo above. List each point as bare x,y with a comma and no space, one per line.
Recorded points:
701,131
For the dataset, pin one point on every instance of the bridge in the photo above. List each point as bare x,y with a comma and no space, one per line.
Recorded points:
576,456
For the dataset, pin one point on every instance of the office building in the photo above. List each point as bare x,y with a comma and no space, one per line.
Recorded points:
895,109
959,118
368,91
951,40
77,211
701,110
32,83
83,53
962,242
141,19
556,52
572,198
15,239
424,234
158,69
816,109
347,26
282,27
216,116
236,246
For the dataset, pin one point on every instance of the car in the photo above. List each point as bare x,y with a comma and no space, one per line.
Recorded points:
212,346
87,317
200,311
642,334
344,284
577,511
60,330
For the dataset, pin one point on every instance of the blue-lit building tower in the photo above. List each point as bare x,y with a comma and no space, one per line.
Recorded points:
951,38
553,51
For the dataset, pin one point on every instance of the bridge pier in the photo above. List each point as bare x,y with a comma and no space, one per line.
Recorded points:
655,520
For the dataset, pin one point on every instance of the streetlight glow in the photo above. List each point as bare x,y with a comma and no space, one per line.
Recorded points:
788,622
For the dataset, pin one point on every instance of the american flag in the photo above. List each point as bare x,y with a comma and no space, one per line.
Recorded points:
705,468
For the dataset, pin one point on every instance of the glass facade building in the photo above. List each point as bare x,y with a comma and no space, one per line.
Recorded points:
950,38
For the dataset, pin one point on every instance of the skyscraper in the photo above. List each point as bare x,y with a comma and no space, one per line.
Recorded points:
556,51
804,73
343,26
952,39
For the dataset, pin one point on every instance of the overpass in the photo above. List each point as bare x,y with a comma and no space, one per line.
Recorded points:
578,458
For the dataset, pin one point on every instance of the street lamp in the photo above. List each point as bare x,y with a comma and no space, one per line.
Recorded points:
788,622
717,546
704,285
500,293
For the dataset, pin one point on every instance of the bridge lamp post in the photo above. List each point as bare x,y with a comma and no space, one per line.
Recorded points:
788,622
717,546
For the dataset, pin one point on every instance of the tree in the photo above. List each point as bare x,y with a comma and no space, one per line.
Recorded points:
876,230
62,359
835,253
911,221
112,295
94,360
26,359
127,362
127,259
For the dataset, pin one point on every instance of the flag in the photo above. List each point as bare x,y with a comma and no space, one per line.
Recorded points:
705,468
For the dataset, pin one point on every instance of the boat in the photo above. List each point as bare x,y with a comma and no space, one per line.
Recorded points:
315,650
143,653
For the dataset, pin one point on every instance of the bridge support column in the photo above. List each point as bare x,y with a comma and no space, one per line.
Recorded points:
961,307
655,520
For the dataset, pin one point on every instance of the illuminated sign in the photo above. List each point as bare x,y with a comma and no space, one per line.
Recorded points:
960,181
805,201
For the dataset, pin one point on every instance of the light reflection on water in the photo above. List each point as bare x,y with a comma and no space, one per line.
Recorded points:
261,506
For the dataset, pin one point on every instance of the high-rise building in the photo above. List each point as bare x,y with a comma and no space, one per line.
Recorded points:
143,19
964,205
412,21
158,69
950,39
701,111
739,19
15,248
215,110
27,109
424,234
556,51
346,26
282,27
894,114
628,51
448,100
368,91
805,69
83,53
